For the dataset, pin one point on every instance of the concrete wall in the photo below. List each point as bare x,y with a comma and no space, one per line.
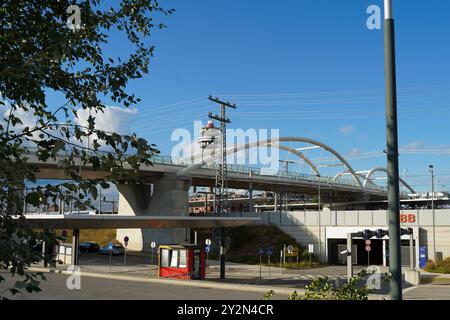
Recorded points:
304,226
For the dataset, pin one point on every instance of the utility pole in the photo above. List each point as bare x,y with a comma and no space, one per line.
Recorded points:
221,173
221,191
286,166
392,154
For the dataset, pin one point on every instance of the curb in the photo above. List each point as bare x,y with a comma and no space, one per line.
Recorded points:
189,283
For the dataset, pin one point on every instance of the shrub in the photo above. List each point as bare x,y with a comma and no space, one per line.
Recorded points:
444,266
430,266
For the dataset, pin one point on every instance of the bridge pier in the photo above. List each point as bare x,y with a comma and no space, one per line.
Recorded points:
167,196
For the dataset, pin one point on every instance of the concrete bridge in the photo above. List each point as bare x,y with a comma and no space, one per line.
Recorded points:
169,179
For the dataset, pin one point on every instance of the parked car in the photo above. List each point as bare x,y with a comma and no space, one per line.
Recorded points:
117,249
89,247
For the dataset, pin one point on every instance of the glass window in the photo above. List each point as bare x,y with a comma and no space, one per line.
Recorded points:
174,259
183,258
165,255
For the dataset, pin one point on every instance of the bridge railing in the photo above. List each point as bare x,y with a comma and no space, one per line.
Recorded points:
244,169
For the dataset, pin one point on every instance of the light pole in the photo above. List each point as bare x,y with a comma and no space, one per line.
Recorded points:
320,233
392,154
432,209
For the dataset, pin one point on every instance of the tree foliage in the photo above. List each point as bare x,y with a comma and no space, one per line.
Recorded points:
42,60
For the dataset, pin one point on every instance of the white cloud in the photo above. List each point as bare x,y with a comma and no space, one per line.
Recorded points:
112,119
354,152
347,130
413,145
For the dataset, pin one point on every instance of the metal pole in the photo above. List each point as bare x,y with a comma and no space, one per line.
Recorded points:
152,256
320,233
392,155
222,262
349,257
260,273
125,256
433,213
411,251
110,259
250,192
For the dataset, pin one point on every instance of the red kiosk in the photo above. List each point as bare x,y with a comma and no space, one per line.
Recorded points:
178,261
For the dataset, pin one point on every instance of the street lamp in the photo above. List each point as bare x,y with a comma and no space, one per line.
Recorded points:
392,154
432,209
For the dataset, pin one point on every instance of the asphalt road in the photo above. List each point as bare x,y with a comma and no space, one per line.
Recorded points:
106,289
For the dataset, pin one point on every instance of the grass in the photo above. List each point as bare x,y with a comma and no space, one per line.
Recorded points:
435,280
101,236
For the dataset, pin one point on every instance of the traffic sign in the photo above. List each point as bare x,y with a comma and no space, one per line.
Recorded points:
126,239
153,244
207,248
290,248
110,246
261,251
368,242
269,251
310,248
208,242
368,248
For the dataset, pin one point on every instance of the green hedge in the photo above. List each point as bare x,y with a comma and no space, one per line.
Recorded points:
440,267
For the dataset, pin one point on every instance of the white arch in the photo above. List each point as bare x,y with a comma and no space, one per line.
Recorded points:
288,149
271,142
379,169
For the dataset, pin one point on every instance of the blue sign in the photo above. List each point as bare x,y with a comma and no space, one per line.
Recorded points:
261,251
207,249
269,251
422,256
110,246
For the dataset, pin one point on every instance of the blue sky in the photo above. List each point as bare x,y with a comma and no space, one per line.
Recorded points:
309,68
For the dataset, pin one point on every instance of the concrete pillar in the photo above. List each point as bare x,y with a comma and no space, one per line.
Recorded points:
168,196
75,245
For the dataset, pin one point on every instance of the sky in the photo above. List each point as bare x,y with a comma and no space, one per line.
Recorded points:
308,68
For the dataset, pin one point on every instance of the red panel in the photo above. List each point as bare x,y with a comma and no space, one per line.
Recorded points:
174,273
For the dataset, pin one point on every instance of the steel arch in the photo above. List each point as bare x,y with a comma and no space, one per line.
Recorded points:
379,169
271,142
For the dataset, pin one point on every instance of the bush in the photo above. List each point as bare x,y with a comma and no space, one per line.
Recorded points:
440,267
430,266
321,289
444,266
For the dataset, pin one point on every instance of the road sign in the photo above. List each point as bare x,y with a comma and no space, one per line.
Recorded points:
207,248
208,242
153,244
291,251
269,251
110,246
126,239
368,242
310,248
368,248
261,251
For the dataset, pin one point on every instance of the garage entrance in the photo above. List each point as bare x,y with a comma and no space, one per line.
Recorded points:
360,255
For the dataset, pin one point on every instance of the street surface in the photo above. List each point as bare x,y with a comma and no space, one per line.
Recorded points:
101,289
